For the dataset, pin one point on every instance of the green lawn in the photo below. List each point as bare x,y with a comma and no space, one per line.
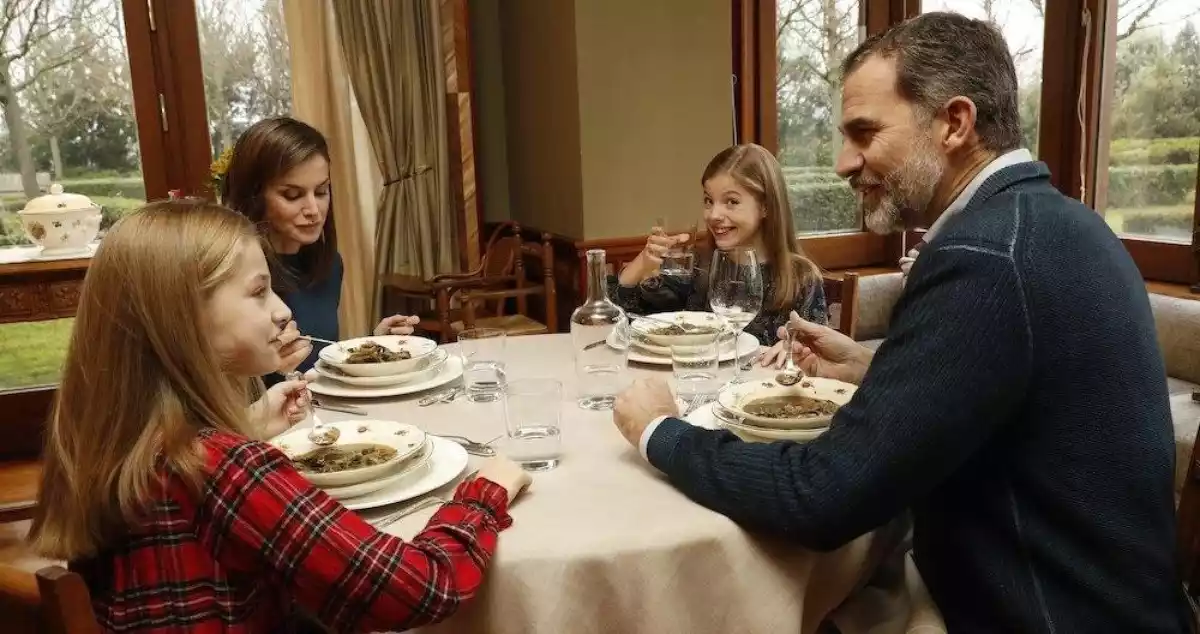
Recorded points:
32,353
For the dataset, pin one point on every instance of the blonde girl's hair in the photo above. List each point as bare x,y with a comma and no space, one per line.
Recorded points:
141,379
755,169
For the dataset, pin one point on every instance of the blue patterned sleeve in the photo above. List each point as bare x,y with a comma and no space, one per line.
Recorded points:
655,295
811,306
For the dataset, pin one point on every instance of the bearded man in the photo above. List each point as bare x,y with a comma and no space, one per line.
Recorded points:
1018,406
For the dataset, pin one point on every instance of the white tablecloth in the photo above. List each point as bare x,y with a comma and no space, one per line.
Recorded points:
605,544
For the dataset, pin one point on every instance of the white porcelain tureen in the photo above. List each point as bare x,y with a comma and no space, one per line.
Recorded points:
60,223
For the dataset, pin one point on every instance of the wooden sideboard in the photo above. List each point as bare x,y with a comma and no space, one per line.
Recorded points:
39,290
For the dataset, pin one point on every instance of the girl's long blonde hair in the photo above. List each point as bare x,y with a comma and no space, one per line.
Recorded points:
755,169
140,378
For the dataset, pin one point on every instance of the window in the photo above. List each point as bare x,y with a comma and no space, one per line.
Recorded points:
1150,135
247,73
72,122
812,39
786,60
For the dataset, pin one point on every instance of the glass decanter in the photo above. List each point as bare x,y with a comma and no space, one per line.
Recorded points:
600,339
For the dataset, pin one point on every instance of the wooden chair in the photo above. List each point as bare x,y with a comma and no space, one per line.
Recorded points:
500,265
1187,533
18,489
518,323
51,601
841,296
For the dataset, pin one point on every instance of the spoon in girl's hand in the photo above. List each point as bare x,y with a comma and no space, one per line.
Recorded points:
320,434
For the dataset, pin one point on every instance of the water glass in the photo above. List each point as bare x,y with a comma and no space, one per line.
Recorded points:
482,351
532,410
695,365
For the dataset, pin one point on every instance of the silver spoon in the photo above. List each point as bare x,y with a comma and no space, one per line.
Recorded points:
320,435
792,373
320,340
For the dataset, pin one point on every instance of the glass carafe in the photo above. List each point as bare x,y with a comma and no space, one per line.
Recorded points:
599,335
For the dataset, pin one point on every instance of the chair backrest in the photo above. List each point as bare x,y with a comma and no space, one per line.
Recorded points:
51,601
841,297
618,253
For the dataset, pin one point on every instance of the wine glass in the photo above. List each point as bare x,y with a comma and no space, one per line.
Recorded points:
735,293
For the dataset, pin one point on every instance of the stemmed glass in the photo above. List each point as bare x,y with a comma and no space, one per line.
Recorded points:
735,293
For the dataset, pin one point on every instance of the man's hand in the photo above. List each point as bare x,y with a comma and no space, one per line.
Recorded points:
641,403
825,352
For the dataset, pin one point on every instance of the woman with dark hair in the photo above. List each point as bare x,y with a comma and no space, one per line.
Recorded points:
278,177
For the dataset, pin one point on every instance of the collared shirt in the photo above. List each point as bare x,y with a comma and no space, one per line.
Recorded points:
1007,159
258,540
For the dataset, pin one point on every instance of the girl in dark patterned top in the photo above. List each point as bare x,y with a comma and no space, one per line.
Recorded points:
156,491
745,205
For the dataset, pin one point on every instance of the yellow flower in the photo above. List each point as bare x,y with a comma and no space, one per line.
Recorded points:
218,169
221,164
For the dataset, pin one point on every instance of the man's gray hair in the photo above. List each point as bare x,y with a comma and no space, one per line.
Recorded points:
944,55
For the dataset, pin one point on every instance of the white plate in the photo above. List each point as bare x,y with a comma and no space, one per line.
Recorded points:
407,440
734,397
414,468
646,327
450,370
447,463
704,417
428,367
747,344
418,348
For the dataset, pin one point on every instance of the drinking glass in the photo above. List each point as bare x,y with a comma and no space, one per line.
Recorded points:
735,292
482,351
678,260
695,366
532,410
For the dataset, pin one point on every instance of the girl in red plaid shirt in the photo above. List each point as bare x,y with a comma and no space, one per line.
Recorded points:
155,489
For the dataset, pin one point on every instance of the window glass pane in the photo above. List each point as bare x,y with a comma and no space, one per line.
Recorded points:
813,37
71,122
1147,185
247,73
1023,26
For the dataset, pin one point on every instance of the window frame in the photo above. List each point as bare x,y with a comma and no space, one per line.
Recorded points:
755,59
1061,141
166,81
1066,70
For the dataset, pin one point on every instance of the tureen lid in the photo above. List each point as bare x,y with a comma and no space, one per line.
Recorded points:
56,200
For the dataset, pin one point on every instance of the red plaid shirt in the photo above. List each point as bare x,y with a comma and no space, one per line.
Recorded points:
261,539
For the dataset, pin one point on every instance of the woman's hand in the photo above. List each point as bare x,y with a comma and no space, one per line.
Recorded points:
507,474
283,405
650,259
292,349
396,325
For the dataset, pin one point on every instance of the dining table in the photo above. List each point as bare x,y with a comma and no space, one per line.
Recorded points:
603,542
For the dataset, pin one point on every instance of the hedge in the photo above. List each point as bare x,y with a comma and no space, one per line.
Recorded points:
820,205
1160,224
107,187
823,206
1150,185
1179,151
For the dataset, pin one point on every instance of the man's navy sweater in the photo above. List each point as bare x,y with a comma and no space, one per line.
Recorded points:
1018,407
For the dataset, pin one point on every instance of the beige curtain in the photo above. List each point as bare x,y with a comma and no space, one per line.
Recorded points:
321,97
393,55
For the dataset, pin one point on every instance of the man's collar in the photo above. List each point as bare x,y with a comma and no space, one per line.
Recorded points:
1007,159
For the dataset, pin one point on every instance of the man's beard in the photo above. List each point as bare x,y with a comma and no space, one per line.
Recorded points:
907,191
